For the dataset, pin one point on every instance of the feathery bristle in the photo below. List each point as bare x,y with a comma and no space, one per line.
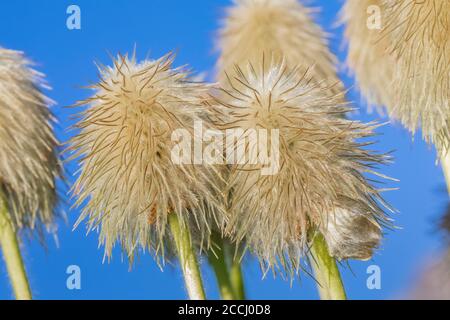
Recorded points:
367,55
321,167
405,65
29,164
127,176
419,31
281,28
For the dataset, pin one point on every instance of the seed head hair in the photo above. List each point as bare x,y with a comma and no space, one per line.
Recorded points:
281,28
368,57
419,31
320,184
405,65
29,163
128,179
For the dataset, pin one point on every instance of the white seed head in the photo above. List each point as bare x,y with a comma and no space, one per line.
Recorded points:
283,29
128,179
29,164
320,182
405,65
421,44
367,57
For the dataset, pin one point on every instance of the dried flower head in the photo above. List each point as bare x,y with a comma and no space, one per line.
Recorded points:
282,28
128,178
29,163
319,184
419,31
404,65
367,50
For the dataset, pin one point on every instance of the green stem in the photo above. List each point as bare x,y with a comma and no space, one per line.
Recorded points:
227,269
236,277
328,278
218,261
12,256
188,259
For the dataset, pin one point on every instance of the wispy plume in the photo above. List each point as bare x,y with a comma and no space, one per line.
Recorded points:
404,64
127,179
419,31
320,184
29,163
367,56
282,28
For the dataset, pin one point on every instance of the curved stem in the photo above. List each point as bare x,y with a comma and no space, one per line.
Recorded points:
12,256
328,278
188,259
445,161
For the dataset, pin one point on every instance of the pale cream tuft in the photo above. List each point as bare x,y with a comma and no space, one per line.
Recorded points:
405,65
420,33
128,180
283,29
29,164
320,184
367,57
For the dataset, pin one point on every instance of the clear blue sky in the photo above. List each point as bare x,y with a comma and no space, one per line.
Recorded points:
156,27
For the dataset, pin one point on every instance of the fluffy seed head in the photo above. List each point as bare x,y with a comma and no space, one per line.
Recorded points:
282,28
29,163
367,57
405,65
320,182
421,44
127,177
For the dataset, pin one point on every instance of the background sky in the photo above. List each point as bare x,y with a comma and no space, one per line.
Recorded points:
157,26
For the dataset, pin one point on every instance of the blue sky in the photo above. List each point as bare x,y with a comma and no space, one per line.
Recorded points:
67,57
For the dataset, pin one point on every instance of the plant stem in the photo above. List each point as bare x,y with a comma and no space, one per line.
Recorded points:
188,259
12,256
227,270
328,278
445,160
236,277
218,262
